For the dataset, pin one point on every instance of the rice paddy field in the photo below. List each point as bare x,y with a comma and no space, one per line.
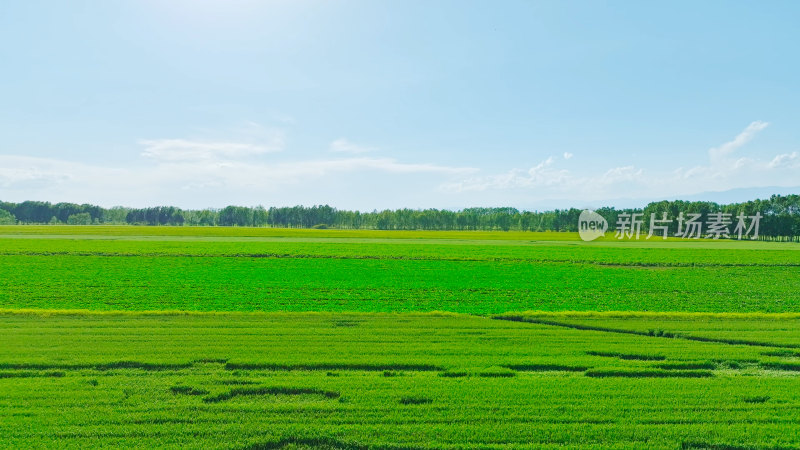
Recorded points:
241,338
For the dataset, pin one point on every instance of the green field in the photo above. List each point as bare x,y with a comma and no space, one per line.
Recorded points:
219,269
267,338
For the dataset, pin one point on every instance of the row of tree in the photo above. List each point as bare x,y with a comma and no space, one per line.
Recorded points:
781,216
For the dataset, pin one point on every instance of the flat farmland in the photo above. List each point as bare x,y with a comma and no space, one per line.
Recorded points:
242,338
298,270
392,380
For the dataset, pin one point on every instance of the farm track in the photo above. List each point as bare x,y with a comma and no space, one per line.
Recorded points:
400,258
577,326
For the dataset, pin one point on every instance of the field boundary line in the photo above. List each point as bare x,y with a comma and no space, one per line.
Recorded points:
178,313
644,333
670,315
537,315
609,264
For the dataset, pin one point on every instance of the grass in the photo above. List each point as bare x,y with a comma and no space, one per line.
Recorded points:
385,368
261,391
236,380
243,338
756,399
737,329
545,368
415,401
728,336
221,269
771,365
688,366
450,374
627,356
649,373
187,390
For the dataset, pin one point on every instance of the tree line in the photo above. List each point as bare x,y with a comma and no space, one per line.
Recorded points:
781,216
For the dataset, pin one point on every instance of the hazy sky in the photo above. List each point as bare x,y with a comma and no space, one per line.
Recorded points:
379,104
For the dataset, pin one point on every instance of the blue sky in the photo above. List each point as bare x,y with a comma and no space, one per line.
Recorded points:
370,105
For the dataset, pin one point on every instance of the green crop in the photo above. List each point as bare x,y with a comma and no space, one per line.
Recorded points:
243,380
298,270
283,339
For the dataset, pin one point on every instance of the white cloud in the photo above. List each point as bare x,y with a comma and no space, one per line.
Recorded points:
192,150
741,139
209,175
18,172
544,179
620,174
724,170
298,170
342,145
722,163
568,155
542,174
28,178
391,165
785,160
199,173
24,172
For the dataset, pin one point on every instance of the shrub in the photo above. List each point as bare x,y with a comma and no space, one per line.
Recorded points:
6,218
79,219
